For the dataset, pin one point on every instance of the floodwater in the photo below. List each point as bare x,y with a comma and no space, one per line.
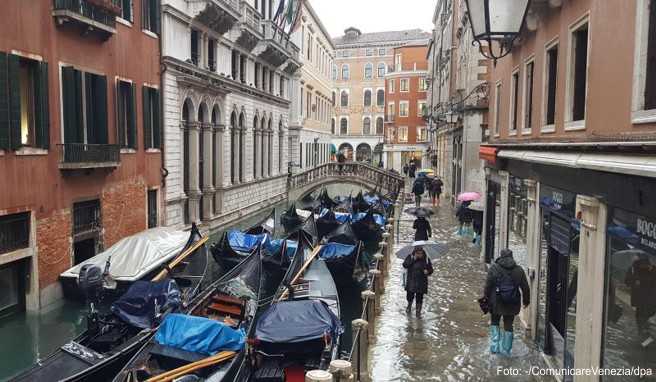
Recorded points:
450,341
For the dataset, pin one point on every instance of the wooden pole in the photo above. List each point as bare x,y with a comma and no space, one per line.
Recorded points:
179,259
205,362
314,254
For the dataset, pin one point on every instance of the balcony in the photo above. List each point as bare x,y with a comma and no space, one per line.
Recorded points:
276,48
390,118
96,17
79,156
249,23
218,15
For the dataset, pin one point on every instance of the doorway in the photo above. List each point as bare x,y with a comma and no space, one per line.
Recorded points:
12,285
492,220
84,250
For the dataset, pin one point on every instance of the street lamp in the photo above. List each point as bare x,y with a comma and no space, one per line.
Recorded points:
497,21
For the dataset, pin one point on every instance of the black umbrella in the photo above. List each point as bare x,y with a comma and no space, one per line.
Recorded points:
419,211
432,249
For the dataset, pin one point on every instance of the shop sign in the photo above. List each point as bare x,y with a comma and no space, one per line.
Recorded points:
647,231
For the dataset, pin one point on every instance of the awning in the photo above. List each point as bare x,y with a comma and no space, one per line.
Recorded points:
488,154
639,165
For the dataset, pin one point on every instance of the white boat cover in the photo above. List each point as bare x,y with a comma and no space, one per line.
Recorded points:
135,256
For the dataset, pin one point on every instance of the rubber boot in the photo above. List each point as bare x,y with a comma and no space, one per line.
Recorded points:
494,339
409,308
418,311
506,343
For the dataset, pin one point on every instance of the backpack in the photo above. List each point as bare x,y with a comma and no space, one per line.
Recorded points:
418,188
507,290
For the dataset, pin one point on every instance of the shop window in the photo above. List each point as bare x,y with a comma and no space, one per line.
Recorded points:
514,83
578,68
550,91
517,220
403,133
528,96
126,115
630,313
14,232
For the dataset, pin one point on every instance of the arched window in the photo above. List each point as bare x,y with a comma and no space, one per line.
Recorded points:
255,157
216,119
344,97
345,72
334,72
281,137
368,71
233,147
381,70
332,126
270,137
380,98
366,126
264,148
242,145
379,126
367,97
343,126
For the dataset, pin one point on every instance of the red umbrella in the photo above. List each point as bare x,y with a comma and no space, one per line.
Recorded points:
469,196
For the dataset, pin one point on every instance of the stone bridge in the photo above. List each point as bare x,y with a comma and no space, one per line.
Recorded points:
357,173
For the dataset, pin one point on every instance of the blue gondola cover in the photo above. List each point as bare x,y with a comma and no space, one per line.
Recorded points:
379,219
341,217
331,251
243,242
273,246
297,321
199,334
138,305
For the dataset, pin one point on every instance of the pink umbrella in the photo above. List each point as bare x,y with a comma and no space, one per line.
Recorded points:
468,196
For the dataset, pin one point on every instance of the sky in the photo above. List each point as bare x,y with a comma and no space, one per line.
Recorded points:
374,15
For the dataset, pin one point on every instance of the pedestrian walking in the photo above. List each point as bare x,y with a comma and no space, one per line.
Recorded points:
412,169
341,158
418,267
435,188
418,189
505,280
405,169
641,280
422,229
464,215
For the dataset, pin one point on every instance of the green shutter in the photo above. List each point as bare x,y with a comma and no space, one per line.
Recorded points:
90,100
4,103
14,101
100,109
42,118
145,94
155,15
72,102
132,117
157,120
119,114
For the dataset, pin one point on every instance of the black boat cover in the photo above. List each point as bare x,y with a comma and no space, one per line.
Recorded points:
297,321
290,220
343,234
326,201
144,300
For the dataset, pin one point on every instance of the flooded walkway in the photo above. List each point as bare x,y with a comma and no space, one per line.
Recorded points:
449,342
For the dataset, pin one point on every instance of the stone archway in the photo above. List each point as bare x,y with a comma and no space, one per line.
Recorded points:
347,149
363,153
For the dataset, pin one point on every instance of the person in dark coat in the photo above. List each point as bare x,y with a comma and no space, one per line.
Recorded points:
341,158
504,273
412,169
435,189
418,188
641,279
418,267
464,215
422,229
405,169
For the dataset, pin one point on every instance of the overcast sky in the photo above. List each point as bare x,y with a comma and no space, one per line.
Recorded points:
374,15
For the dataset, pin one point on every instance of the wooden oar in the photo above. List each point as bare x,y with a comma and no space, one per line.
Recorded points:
179,259
186,369
300,272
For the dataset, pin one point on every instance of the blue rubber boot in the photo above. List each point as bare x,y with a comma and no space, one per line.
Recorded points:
506,343
494,339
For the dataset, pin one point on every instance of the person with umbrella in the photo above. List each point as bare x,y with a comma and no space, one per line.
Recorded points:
505,279
418,267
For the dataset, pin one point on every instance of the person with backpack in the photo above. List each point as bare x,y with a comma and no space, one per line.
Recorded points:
435,188
505,280
418,189
418,267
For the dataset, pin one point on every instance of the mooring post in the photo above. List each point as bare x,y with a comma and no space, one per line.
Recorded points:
341,370
318,376
362,350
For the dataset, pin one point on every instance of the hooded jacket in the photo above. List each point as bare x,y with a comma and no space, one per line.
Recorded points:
416,279
506,264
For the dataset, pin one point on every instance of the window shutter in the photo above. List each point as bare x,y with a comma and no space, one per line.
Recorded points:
132,117
157,120
145,94
4,103
42,107
155,16
100,87
145,9
90,98
14,101
72,101
119,113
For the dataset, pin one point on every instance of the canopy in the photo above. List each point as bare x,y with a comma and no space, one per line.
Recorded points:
336,250
135,256
144,300
199,334
243,242
379,219
342,234
297,321
274,246
341,217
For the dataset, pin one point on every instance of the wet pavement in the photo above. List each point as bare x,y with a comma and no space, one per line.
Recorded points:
449,342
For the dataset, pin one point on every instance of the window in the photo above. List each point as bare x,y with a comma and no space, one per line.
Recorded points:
397,62
235,65
404,86
528,95
344,98
14,232
332,126
152,208
126,10
86,124
308,104
150,15
381,51
366,126
367,97
423,85
126,116
211,55
301,100
403,133
345,72
390,110
343,126
422,134
550,82
381,70
272,81
514,83
334,72
380,97
578,67
309,48
497,108
647,40
369,52
379,126
152,120
282,86
403,108
368,71
390,85
421,108
195,53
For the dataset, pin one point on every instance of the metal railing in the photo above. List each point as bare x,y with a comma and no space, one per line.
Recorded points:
89,155
250,16
86,216
273,32
91,9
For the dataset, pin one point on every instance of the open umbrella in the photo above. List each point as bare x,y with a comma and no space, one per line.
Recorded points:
426,171
419,211
432,249
469,196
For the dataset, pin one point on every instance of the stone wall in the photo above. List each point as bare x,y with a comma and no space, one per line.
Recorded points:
123,209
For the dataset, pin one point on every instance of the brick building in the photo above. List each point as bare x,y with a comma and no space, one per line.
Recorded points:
406,131
79,137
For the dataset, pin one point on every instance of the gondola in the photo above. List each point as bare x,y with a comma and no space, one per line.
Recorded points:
326,223
291,220
343,261
307,230
325,201
343,234
308,202
366,228
301,330
216,328
359,204
267,225
116,331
